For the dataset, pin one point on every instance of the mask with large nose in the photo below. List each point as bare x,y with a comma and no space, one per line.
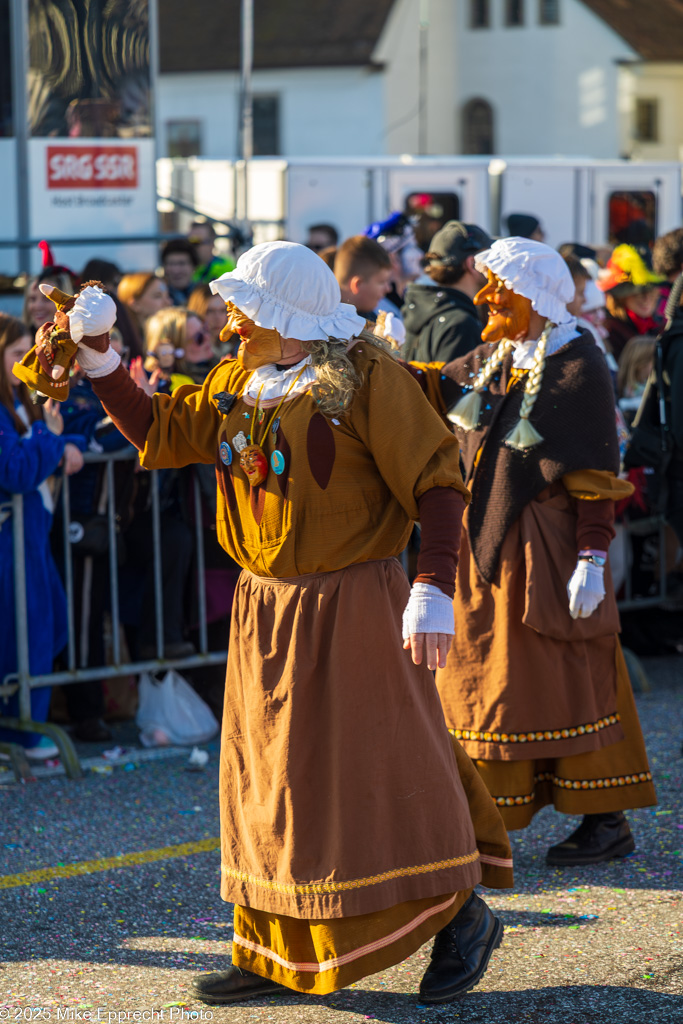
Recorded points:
509,312
259,345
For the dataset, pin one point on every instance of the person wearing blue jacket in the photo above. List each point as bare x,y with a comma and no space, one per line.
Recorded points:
33,447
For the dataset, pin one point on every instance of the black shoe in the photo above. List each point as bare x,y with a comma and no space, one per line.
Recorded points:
232,986
92,730
598,838
461,952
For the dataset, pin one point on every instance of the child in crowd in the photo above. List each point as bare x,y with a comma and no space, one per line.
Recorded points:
178,351
33,447
631,296
363,272
143,295
38,309
635,366
210,309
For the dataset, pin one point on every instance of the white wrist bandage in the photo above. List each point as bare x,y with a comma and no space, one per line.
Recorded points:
97,364
428,610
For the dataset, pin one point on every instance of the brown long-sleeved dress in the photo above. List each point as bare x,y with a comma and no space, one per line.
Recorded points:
352,828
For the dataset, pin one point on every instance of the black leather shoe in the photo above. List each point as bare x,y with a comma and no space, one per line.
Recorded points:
232,986
461,952
598,838
92,730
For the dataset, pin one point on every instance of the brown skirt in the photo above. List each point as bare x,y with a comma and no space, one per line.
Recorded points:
511,692
318,957
615,778
340,791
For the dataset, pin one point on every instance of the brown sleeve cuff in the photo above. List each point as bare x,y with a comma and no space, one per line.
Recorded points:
595,524
131,410
441,511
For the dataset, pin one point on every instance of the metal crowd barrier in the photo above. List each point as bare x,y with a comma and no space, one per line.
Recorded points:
22,680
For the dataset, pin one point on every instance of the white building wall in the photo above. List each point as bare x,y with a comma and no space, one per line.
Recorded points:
419,100
553,88
664,83
323,111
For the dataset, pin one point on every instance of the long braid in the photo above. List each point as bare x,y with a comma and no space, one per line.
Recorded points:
524,435
468,410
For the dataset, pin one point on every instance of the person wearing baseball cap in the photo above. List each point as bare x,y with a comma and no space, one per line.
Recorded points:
440,318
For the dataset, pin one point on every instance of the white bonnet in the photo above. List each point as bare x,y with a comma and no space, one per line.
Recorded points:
287,287
534,270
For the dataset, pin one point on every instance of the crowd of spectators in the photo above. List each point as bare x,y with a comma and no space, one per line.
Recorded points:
168,333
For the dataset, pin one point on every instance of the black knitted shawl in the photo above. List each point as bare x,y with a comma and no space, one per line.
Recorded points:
573,412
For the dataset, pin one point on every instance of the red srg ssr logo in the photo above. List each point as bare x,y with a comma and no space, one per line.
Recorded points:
92,167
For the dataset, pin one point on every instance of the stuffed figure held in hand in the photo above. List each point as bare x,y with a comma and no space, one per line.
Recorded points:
85,318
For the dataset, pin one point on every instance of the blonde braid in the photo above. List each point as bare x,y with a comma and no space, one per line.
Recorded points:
524,435
468,410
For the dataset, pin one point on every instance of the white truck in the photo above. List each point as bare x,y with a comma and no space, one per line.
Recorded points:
576,200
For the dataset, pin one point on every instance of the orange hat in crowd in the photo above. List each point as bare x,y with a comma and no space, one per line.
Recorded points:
627,273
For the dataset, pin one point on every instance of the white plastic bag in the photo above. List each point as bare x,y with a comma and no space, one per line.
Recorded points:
170,712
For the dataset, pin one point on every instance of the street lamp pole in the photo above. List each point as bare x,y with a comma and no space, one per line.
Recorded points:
246,105
423,72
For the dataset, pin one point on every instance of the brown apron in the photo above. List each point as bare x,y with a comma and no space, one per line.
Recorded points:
340,791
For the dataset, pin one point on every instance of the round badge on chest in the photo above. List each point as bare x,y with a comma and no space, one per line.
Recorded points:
225,452
277,461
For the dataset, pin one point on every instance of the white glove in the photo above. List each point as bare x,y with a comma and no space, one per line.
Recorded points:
586,589
394,328
93,313
428,611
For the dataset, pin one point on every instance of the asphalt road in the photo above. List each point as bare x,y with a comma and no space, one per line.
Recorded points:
602,945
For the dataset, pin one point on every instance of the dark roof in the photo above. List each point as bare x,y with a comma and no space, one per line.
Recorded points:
205,36
653,28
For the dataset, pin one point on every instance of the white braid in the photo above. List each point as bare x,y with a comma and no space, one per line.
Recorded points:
492,363
524,435
467,411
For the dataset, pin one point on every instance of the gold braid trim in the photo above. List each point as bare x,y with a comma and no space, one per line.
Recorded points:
328,888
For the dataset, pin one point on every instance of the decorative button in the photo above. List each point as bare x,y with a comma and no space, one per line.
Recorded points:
225,452
277,461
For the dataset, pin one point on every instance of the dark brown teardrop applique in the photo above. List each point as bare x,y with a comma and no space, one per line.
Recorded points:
257,500
282,446
321,449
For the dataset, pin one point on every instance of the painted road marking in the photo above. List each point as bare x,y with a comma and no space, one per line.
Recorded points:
122,860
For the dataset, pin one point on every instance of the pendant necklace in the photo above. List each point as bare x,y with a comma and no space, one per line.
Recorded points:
252,456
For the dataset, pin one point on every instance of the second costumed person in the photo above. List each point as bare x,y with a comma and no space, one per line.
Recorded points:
536,687
352,828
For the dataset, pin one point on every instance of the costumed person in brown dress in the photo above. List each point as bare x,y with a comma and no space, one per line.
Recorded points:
353,828
535,686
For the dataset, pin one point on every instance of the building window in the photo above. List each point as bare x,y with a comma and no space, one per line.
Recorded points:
549,12
183,138
479,13
514,13
477,127
266,125
647,121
